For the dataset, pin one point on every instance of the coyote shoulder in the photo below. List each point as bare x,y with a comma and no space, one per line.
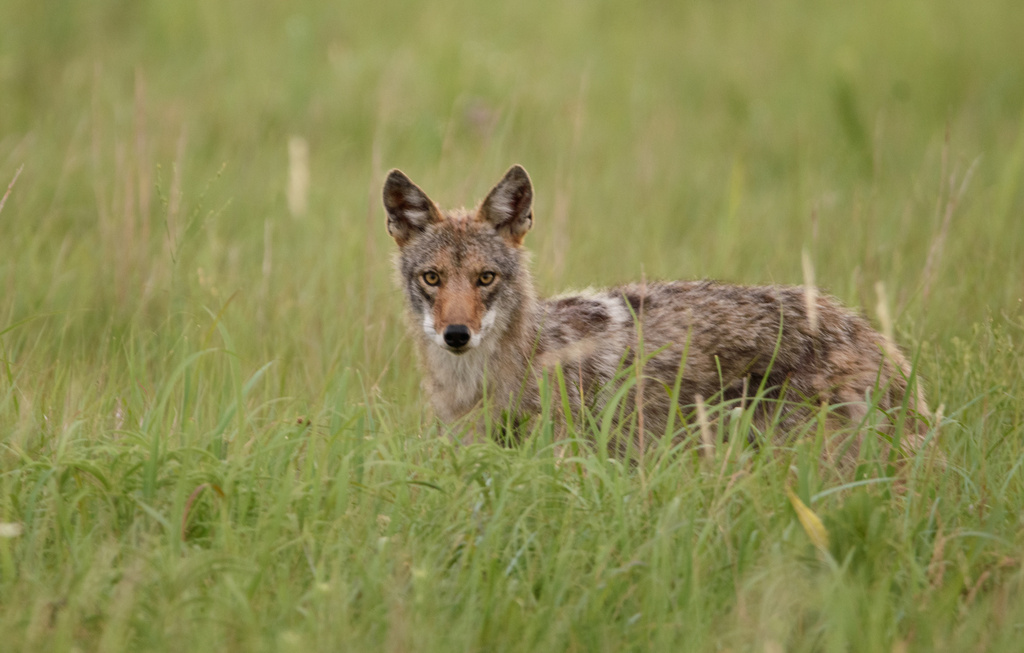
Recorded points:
485,339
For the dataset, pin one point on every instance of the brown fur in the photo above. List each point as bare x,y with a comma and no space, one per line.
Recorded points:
736,339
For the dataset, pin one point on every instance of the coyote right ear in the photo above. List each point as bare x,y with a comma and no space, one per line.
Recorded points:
509,205
409,209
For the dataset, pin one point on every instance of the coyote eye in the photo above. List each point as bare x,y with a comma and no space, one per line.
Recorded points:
486,278
431,278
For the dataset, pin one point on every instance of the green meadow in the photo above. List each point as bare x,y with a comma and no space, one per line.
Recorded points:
212,434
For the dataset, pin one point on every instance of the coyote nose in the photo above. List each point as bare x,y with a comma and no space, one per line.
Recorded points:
456,335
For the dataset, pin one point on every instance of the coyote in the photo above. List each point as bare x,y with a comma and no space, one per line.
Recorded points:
486,340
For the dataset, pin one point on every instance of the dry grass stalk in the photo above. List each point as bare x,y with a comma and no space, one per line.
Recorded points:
931,265
810,291
174,194
885,320
707,444
641,438
298,176
10,186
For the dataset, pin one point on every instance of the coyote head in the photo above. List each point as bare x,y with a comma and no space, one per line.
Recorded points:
462,271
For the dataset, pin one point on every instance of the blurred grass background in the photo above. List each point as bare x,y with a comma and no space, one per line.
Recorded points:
151,267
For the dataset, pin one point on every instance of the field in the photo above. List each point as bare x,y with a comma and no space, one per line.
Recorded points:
212,436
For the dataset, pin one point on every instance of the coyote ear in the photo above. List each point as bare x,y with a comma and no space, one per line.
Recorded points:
509,205
409,209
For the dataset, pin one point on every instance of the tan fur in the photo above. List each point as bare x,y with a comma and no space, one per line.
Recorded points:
804,349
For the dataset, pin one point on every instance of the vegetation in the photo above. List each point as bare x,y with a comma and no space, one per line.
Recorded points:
211,432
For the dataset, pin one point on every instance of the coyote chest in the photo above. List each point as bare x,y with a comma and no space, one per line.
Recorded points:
485,340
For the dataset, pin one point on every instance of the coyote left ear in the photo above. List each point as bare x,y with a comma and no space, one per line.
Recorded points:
409,209
509,206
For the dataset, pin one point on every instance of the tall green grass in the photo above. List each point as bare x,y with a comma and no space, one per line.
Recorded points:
211,433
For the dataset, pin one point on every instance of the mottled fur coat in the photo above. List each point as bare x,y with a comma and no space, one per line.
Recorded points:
485,339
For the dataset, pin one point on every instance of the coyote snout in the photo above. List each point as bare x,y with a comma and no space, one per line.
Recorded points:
452,328
468,286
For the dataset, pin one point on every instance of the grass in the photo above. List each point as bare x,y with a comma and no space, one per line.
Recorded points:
211,433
